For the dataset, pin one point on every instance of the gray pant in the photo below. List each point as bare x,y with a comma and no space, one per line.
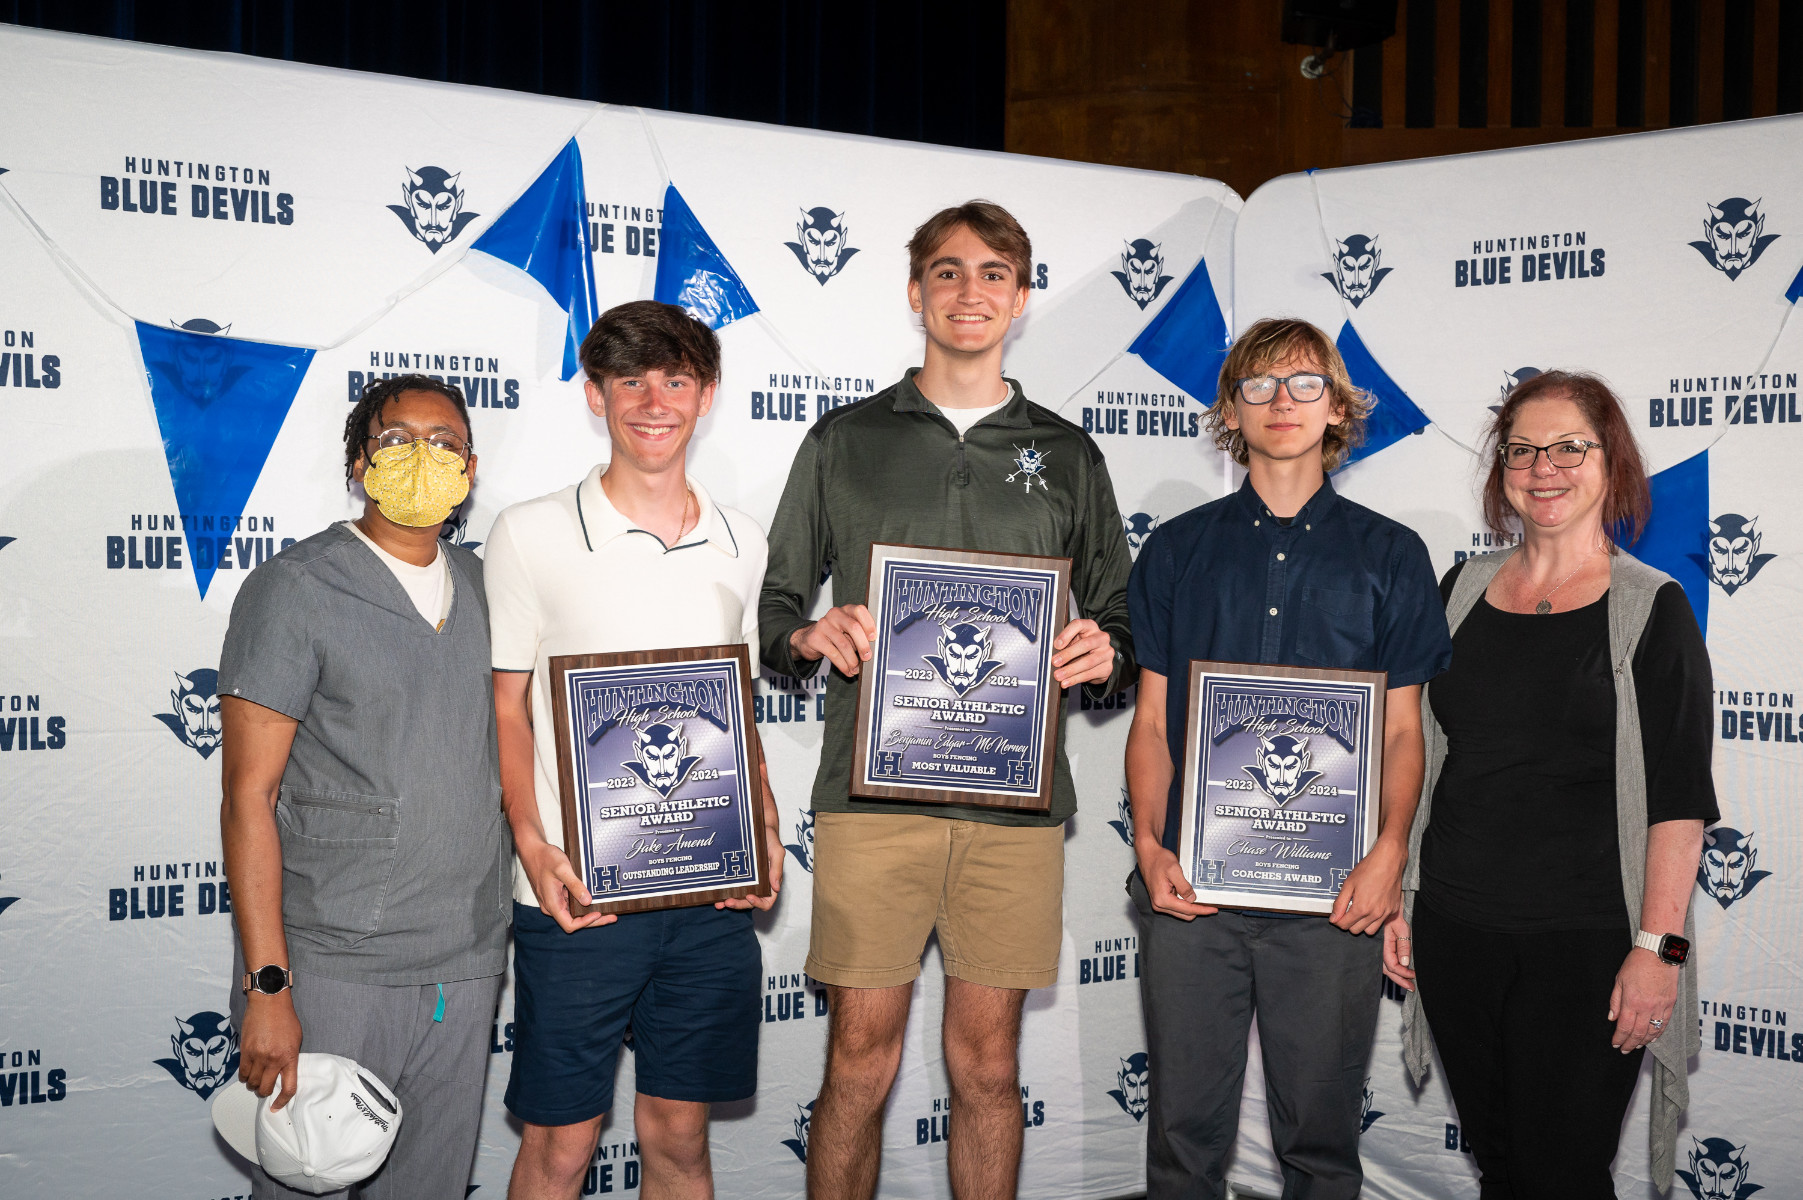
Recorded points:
436,1069
1315,989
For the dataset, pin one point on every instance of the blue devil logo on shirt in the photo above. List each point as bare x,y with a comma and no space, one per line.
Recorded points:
963,661
1030,464
432,206
1726,872
194,711
1282,770
803,846
1718,1170
1133,1086
804,1117
206,1053
1734,235
663,760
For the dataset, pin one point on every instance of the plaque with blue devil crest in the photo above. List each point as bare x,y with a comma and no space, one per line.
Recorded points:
1282,781
957,704
659,774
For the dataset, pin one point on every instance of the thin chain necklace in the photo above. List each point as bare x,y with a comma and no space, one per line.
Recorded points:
1546,602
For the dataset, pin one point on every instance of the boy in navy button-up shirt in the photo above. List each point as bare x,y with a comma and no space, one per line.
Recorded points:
1283,571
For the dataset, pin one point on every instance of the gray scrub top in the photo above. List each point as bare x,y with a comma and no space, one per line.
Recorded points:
396,856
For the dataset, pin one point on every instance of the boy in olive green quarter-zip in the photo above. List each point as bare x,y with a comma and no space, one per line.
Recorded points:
953,455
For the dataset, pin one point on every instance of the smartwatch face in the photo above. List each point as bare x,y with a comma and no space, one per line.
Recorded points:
1676,949
271,979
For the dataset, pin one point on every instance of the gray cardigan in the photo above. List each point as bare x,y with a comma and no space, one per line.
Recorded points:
1632,586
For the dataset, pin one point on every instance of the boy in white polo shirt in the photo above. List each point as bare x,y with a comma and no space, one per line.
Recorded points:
634,557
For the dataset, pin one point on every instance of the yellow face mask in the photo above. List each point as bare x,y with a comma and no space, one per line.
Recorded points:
417,484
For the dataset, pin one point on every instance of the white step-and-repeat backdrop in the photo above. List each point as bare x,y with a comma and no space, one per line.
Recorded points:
205,256
1669,264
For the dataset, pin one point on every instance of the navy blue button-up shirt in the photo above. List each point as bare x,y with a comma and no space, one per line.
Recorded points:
1337,586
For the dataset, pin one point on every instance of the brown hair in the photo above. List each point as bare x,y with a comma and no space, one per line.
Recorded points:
992,223
643,335
1273,340
1628,499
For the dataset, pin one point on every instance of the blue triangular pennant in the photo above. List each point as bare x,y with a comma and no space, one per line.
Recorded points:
1677,531
220,402
1393,416
545,234
693,274
1187,341
1795,289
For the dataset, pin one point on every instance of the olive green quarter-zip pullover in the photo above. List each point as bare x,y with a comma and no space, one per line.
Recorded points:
893,469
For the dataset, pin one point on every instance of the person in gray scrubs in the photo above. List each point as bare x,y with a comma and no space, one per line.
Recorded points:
369,861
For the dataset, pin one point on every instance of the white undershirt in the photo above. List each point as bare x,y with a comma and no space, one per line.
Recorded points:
963,418
429,587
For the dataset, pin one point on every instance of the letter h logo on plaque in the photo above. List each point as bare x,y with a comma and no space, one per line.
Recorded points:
1282,774
957,704
662,797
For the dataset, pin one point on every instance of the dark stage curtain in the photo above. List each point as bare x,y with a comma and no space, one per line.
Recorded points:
899,68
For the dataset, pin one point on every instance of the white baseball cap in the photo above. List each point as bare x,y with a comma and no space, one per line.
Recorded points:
336,1130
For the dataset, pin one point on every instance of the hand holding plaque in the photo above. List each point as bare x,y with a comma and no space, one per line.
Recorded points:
1282,782
958,704
660,778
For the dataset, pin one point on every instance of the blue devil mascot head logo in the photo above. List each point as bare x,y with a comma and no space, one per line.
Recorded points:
206,1053
1282,770
1133,1086
1718,1170
663,760
1726,871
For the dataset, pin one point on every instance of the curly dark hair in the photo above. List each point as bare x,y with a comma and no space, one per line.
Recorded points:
376,395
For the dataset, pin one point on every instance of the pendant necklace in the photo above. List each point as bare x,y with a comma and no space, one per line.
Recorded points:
1546,602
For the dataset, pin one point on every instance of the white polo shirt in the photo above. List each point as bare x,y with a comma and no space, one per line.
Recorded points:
568,574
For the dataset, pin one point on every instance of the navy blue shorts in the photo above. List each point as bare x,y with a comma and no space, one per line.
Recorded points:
684,979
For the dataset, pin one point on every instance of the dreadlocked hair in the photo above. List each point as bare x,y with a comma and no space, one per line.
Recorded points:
376,395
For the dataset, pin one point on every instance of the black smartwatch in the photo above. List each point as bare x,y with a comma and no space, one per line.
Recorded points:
271,980
1670,947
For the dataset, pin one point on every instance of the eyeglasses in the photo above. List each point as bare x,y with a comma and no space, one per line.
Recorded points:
1262,389
388,439
1519,456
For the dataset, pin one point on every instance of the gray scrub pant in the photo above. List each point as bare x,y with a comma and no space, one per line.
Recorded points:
436,1068
1316,991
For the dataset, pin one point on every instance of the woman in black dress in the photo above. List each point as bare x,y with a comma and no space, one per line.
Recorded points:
1562,817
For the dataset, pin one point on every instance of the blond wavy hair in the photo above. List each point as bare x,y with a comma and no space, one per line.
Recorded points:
1271,341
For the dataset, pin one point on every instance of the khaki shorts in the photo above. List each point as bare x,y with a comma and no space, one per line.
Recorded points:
883,881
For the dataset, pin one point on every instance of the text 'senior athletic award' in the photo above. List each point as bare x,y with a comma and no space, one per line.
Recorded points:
662,800
957,704
1281,783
